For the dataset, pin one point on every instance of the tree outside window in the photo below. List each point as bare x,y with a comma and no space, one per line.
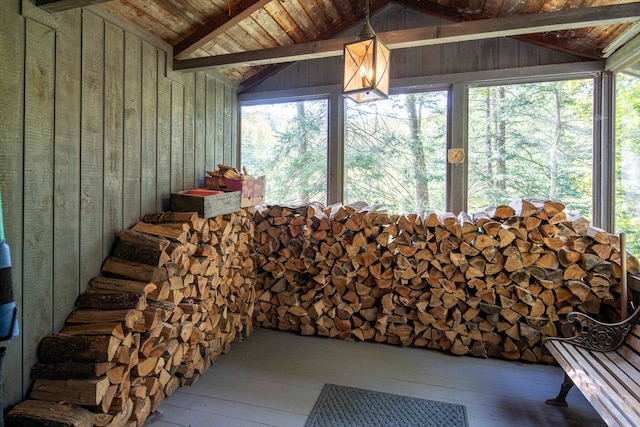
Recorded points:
395,152
531,141
627,207
287,143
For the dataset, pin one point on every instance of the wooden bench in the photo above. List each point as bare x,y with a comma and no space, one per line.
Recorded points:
603,361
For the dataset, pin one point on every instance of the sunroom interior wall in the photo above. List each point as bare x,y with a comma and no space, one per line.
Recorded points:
96,131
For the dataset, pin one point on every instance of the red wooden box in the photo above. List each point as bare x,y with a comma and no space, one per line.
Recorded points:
252,189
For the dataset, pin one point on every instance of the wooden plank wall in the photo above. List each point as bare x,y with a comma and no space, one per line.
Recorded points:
11,169
476,55
96,131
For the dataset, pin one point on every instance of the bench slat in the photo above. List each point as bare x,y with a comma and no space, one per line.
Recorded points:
571,363
599,386
633,360
621,370
610,388
633,339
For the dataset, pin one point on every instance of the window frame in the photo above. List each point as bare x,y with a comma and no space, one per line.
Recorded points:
292,99
458,84
401,91
597,179
616,227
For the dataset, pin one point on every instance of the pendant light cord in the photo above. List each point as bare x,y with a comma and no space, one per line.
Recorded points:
367,31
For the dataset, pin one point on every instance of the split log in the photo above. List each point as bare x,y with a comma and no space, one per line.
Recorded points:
134,270
123,285
141,410
176,217
139,253
128,317
90,349
70,370
114,329
145,366
121,416
49,414
111,300
143,239
158,327
459,283
166,230
76,391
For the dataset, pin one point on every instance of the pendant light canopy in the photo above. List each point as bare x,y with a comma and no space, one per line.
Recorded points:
366,66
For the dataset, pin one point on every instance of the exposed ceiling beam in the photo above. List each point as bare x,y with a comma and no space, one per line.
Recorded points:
624,57
633,70
265,72
433,35
60,5
275,55
469,10
217,26
619,41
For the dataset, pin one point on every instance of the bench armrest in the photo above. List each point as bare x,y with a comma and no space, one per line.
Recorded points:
598,336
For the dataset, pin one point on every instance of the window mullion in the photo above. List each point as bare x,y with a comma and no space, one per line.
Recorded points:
457,139
603,152
335,147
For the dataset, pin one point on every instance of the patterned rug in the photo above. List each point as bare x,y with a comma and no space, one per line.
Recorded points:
340,406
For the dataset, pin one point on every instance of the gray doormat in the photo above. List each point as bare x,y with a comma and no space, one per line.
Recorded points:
341,406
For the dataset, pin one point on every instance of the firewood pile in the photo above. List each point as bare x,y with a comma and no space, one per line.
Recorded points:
176,292
492,284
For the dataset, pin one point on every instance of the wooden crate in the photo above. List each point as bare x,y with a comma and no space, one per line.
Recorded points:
252,189
206,206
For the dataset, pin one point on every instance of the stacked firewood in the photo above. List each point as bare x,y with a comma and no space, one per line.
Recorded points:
491,284
176,292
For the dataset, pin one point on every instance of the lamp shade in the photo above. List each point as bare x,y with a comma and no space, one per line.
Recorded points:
366,70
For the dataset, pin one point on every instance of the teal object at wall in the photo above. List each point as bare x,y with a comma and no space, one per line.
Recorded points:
8,310
1,219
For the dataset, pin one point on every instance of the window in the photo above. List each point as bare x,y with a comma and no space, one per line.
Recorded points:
395,152
627,206
531,141
287,143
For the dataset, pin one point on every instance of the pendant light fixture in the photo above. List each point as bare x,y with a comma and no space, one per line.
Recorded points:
366,66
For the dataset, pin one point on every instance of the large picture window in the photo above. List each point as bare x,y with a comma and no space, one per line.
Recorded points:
395,152
627,206
531,141
287,143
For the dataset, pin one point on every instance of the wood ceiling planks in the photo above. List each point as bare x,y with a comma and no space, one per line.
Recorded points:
200,28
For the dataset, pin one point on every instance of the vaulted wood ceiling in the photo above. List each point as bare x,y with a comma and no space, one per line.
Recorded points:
242,39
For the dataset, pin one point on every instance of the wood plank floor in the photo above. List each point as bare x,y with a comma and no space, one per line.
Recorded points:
273,378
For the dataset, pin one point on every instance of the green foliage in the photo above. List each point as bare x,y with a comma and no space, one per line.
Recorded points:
288,144
389,163
627,206
531,141
525,141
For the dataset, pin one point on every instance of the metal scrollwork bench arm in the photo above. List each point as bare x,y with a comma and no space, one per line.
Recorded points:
603,361
596,335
